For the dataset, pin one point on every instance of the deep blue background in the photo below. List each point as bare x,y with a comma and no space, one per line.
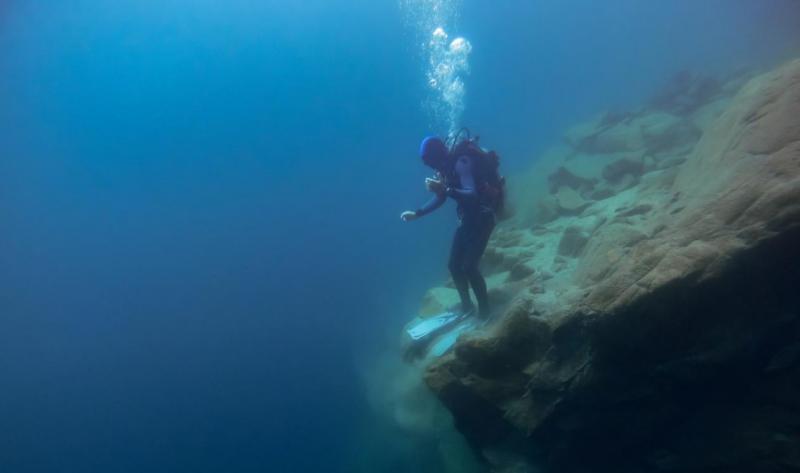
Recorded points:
199,203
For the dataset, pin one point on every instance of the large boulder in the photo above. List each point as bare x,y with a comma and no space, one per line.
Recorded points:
601,137
652,132
686,92
570,202
572,242
664,133
674,343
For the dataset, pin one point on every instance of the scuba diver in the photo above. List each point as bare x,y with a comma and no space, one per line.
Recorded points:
469,175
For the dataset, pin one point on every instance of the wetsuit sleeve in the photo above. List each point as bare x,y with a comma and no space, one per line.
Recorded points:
431,205
467,189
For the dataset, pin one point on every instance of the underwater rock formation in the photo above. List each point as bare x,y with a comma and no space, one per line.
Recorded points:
652,315
686,92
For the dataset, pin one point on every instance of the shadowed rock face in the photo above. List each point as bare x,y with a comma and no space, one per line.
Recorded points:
686,92
671,342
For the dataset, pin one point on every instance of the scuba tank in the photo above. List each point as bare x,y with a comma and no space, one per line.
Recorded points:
491,184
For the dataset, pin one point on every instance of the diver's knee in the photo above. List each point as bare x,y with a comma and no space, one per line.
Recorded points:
473,271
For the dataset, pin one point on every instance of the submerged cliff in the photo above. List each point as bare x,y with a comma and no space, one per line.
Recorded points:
649,290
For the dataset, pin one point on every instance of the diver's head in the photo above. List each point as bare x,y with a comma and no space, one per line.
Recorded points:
433,152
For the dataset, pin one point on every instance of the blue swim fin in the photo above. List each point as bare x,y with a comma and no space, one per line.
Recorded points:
430,325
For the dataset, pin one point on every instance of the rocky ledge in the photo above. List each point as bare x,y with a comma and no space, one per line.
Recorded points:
650,286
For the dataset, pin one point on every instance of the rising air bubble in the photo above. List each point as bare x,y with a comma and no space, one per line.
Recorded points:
460,46
447,61
447,64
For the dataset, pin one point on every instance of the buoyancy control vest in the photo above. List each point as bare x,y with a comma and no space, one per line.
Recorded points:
490,184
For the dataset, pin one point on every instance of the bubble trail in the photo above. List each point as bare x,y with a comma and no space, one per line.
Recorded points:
447,60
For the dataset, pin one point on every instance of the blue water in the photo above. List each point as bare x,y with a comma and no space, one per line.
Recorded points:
199,201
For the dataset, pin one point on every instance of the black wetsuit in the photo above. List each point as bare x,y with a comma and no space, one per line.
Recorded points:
477,220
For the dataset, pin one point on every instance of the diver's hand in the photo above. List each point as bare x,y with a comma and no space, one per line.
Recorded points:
408,216
434,185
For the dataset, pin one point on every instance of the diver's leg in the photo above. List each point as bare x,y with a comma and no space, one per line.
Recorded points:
472,258
456,266
478,284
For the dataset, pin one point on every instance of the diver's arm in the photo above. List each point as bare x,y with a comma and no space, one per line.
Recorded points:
436,201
